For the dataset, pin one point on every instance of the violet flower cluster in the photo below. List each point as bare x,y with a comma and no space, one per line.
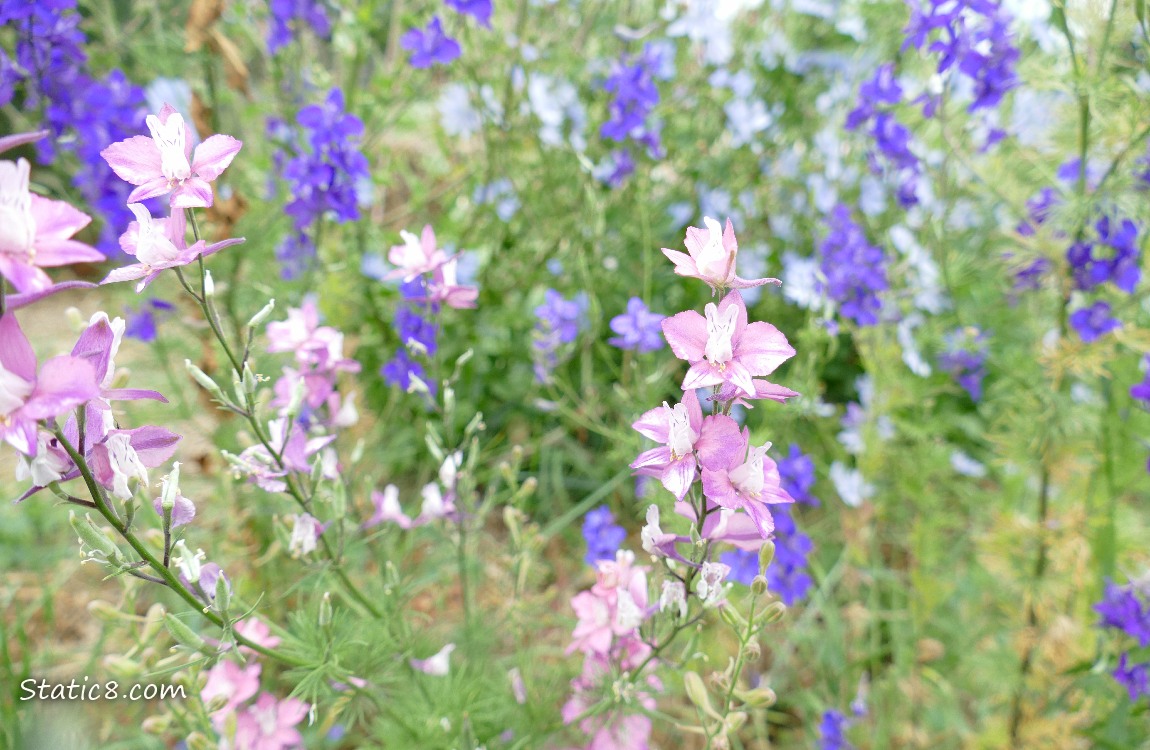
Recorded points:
558,322
876,101
602,534
432,46
965,359
635,96
83,112
638,328
971,37
853,270
1126,610
327,175
297,14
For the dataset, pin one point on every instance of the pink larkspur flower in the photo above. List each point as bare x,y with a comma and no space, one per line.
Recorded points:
387,509
165,162
725,525
438,664
270,724
232,682
682,430
258,632
746,479
28,396
159,244
35,232
710,256
16,301
723,347
416,256
613,608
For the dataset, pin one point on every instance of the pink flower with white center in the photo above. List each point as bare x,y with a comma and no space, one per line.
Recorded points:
230,681
159,244
318,347
98,345
682,430
35,232
165,162
614,607
437,665
709,585
416,256
387,509
115,462
270,724
655,540
723,347
49,464
28,396
746,479
712,252
444,288
183,509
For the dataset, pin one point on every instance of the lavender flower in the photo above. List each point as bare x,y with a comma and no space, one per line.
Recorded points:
853,269
142,321
304,14
559,322
1113,257
1135,678
832,731
797,472
632,82
638,328
1123,609
965,359
430,46
602,534
479,9
1094,322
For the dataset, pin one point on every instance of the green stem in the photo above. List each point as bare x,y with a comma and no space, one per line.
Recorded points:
168,578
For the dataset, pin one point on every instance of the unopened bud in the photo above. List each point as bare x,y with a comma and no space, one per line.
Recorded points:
760,697
223,598
103,610
171,488
759,586
325,612
735,721
209,285
122,667
753,649
299,390
766,556
264,313
156,725
92,536
250,381
153,621
773,613
697,694
205,382
197,741
182,634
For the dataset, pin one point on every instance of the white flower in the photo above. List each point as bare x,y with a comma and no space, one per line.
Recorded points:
850,485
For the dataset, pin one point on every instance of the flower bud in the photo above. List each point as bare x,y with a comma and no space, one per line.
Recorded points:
205,382
197,741
264,313
122,667
759,586
766,556
250,381
209,285
735,721
223,598
325,612
156,725
153,621
697,694
92,536
773,613
171,488
182,634
760,697
103,610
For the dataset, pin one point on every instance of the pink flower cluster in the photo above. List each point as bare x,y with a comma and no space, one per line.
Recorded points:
731,356
438,499
419,256
266,724
607,634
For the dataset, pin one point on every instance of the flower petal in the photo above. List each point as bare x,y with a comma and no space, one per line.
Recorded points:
64,383
762,349
57,220
135,160
214,155
16,355
686,332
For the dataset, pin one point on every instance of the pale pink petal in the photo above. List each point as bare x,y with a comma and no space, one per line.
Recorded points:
679,476
127,273
63,383
654,459
700,375
684,264
740,283
57,219
739,376
135,160
686,332
736,299
717,487
762,348
214,155
153,188
192,193
16,301
768,390
720,444
27,279
50,252
132,394
655,423
215,247
762,518
694,410
16,353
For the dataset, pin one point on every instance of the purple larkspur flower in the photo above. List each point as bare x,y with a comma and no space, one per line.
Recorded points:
303,14
1134,677
854,270
832,731
1121,608
638,328
1093,322
430,46
965,359
480,10
602,534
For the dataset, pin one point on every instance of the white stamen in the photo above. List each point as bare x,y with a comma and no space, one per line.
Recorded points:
713,259
748,477
17,227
